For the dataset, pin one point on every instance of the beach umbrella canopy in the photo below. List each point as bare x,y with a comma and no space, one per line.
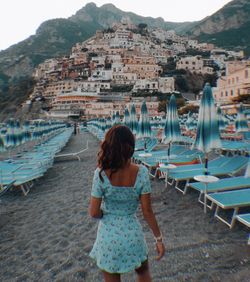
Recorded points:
133,122
172,131
207,136
108,123
126,117
241,124
221,119
144,127
191,122
10,136
117,118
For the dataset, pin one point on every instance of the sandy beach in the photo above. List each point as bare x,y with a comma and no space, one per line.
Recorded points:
47,235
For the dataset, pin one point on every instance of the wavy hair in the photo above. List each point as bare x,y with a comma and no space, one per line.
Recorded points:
116,149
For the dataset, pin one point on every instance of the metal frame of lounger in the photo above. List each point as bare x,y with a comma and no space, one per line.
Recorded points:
235,205
225,184
76,154
244,218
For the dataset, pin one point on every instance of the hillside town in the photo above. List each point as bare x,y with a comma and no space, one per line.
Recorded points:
126,64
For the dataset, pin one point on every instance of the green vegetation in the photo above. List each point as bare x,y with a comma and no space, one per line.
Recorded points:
234,38
188,108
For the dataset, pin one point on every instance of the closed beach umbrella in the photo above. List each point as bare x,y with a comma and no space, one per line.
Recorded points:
3,132
126,117
108,123
191,122
117,118
10,136
144,127
207,136
133,122
19,133
221,119
241,124
172,131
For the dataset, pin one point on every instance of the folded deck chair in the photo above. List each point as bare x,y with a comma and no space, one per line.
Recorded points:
225,184
230,200
230,167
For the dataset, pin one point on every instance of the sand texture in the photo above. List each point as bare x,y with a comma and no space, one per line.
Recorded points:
47,235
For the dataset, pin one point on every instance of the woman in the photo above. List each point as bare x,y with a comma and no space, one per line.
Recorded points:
119,185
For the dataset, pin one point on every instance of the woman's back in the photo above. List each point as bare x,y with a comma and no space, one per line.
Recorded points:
121,199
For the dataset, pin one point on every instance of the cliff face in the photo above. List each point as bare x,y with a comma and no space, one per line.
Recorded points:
231,16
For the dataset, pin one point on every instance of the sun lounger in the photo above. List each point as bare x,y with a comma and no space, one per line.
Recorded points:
230,167
230,200
218,162
225,184
244,218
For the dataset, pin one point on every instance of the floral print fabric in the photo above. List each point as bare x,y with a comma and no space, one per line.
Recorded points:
120,245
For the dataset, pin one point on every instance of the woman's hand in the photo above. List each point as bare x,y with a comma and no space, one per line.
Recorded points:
160,248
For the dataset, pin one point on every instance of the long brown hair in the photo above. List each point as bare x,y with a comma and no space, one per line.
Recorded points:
116,149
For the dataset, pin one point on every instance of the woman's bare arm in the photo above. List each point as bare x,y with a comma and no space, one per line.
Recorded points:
149,214
95,207
152,222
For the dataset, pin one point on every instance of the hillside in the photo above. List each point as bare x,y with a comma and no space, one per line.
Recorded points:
229,27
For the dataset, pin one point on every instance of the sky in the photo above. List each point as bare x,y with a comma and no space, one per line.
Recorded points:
20,18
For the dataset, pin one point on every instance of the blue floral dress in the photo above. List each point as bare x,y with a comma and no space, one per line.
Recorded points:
120,244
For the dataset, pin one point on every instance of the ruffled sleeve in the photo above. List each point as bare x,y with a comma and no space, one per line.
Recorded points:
97,190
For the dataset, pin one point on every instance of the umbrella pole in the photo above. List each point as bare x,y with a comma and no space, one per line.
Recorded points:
205,191
169,145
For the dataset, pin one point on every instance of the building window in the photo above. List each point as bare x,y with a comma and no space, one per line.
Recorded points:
229,81
232,92
221,94
226,93
238,91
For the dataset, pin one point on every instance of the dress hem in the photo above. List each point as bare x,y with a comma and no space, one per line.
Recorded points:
120,271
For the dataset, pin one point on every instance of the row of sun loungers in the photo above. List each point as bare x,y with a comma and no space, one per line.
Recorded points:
25,168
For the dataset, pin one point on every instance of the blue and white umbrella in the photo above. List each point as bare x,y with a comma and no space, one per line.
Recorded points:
191,122
126,117
172,131
207,136
117,118
144,127
221,119
241,124
133,122
11,135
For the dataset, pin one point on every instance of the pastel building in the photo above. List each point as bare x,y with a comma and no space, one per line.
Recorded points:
236,82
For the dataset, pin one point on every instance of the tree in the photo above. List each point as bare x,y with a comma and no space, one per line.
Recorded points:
188,108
